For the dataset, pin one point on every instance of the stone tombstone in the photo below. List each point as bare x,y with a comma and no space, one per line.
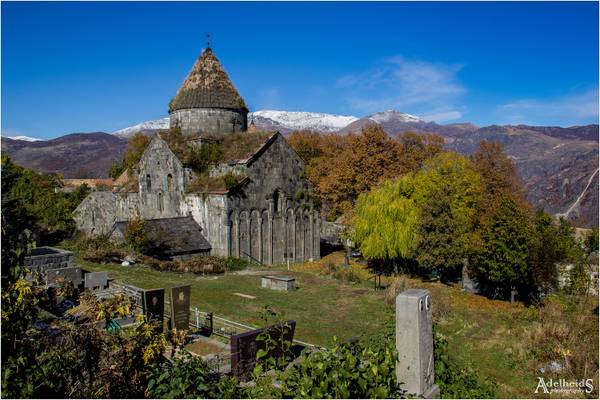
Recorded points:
72,274
244,347
93,280
154,304
414,342
282,283
180,307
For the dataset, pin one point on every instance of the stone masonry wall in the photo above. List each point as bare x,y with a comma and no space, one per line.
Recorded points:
209,121
97,213
53,259
270,219
210,212
161,182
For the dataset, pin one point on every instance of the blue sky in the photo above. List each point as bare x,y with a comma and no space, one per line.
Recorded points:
81,67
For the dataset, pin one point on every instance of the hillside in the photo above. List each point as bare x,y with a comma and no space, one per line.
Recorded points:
78,155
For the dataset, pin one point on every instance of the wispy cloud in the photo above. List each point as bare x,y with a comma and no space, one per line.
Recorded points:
443,116
570,109
269,98
406,85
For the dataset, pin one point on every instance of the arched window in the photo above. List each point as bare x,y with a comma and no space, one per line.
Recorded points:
148,182
160,202
170,182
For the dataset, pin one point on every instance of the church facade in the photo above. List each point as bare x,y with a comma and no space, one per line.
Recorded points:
266,218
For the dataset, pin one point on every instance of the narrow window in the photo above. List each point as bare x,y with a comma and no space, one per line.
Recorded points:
170,182
160,202
148,183
276,202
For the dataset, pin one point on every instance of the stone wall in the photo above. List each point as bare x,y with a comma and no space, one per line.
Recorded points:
43,258
161,182
210,212
270,219
97,213
209,121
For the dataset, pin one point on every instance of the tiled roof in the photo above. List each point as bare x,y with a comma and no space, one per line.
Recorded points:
207,86
179,235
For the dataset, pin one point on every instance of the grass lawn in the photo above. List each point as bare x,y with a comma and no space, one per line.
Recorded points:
492,336
322,307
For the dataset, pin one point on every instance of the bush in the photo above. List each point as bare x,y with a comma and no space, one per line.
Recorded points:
347,370
96,249
188,377
237,264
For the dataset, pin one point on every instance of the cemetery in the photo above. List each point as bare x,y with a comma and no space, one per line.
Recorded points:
228,347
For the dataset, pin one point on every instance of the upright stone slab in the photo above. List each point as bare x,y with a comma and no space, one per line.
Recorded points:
72,274
154,304
414,342
93,280
245,346
180,307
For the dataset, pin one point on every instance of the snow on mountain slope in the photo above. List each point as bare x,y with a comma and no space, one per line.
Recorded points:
24,138
388,115
162,123
302,120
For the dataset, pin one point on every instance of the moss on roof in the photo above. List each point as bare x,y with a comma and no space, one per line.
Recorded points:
243,145
207,86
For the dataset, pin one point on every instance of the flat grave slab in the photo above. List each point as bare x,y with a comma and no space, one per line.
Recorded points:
278,282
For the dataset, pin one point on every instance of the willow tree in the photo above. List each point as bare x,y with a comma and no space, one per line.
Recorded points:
384,221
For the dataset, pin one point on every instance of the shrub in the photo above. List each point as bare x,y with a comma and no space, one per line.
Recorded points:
135,234
347,370
236,264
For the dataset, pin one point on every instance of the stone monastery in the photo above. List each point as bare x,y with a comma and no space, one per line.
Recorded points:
264,218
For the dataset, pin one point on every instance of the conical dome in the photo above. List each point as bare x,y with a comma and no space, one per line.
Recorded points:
207,86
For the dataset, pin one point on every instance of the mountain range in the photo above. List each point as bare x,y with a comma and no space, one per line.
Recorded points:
559,166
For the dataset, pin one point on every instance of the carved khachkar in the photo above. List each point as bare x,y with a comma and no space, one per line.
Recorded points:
414,342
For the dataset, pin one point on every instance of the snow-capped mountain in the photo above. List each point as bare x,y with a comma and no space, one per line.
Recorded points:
389,115
283,121
152,125
297,120
24,138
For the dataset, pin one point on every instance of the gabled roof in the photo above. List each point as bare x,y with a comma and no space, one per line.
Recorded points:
207,86
255,152
179,235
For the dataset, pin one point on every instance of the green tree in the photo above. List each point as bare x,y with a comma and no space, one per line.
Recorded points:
35,199
545,251
385,220
503,244
448,189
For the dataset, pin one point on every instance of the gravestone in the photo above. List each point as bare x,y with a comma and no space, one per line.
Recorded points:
154,304
93,280
244,347
72,274
180,307
414,343
283,283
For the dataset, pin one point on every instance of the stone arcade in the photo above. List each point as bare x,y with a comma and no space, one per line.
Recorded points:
262,219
